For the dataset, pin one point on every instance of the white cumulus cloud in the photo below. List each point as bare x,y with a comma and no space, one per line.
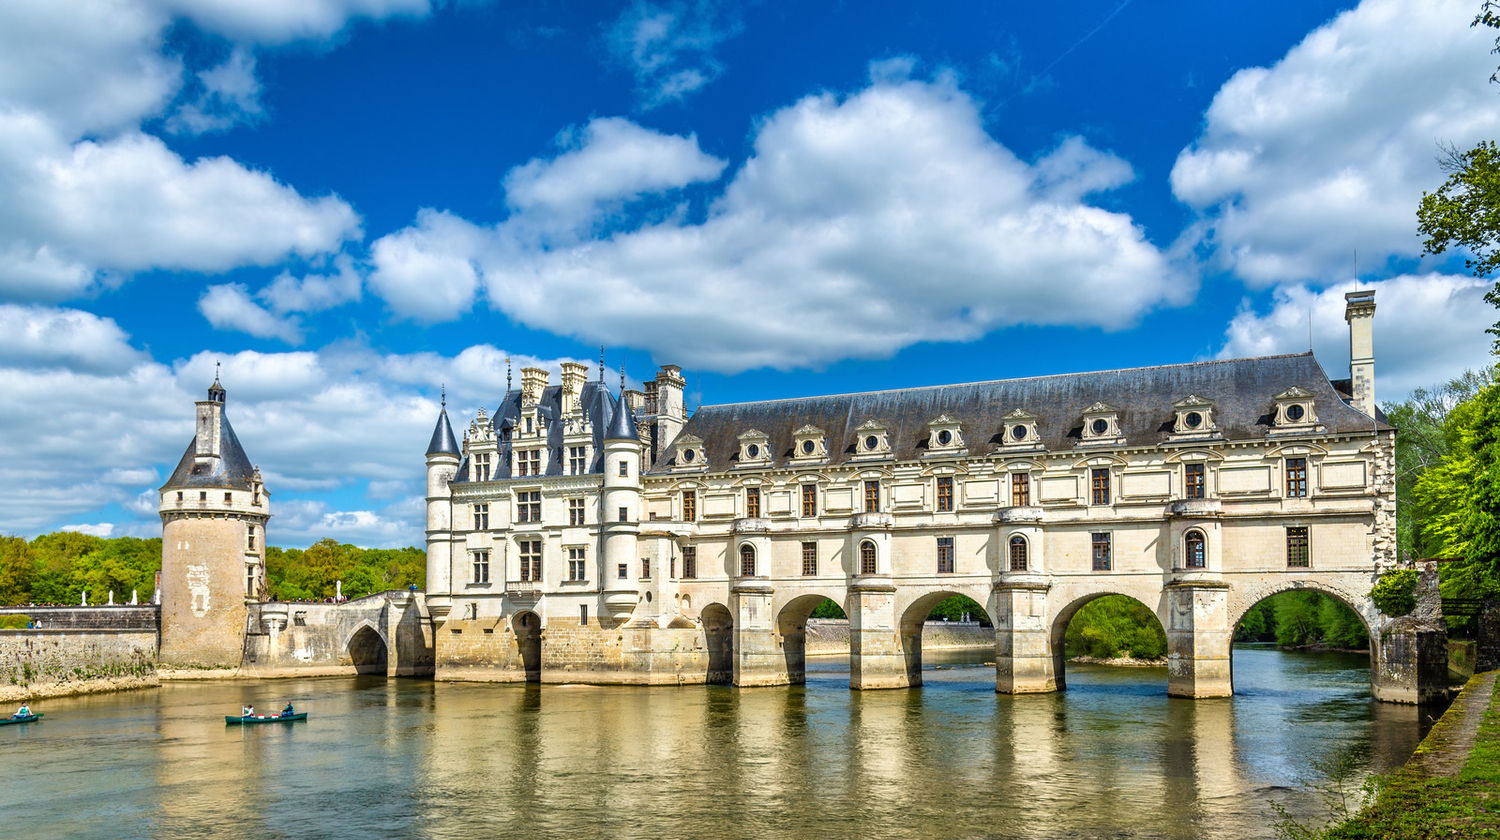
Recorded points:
1328,151
230,307
669,47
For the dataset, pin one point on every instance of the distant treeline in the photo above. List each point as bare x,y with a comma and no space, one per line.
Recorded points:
58,568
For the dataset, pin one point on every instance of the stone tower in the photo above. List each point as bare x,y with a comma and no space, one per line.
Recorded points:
620,513
1359,312
442,462
213,513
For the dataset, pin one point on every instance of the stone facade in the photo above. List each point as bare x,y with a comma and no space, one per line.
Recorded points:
581,536
54,663
387,633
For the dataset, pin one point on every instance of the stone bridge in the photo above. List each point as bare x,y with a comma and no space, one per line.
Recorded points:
387,633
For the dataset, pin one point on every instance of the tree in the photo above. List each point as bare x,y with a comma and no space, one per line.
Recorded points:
1458,500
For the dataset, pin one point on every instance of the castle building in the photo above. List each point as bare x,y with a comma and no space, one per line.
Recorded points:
213,510
579,535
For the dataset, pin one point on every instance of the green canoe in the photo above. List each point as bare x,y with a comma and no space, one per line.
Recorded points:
264,718
28,719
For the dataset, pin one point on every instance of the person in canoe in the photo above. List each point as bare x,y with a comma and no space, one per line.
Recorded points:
288,711
247,711
24,711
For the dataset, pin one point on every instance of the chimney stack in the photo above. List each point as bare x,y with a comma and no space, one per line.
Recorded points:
533,381
574,374
1359,311
671,416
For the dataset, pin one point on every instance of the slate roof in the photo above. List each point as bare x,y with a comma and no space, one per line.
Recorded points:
443,441
1242,390
232,470
598,404
622,425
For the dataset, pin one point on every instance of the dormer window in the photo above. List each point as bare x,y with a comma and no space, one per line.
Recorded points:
1194,417
1020,430
690,454
944,435
1101,424
872,439
809,443
755,448
1294,410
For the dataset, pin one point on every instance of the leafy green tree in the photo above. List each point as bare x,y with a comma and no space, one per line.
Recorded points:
1115,626
17,568
1458,501
828,609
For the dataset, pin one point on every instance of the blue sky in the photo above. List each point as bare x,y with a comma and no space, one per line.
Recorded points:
348,203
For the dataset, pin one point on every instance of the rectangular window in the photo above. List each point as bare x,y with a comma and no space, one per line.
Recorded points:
1102,560
624,469
228,498
481,517
529,462
645,568
809,559
1298,555
872,497
1195,485
481,567
945,555
1296,478
752,502
202,495
622,572
179,495
482,467
577,569
531,559
583,615
576,463
249,581
945,493
249,537
1100,487
689,505
529,506
575,511
1020,489
624,514
690,562
809,500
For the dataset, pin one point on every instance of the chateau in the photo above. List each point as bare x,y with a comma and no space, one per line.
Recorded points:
579,535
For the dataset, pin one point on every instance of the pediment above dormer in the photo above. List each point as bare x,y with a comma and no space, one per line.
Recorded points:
689,452
944,434
1020,429
872,438
754,448
809,443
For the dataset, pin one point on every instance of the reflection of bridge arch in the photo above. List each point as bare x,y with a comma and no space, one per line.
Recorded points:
527,627
1058,631
367,649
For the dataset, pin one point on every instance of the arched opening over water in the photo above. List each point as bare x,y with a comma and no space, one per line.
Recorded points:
528,629
1302,618
963,622
718,640
1106,626
367,651
791,632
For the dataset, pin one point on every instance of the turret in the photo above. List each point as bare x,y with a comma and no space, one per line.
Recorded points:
620,515
1359,312
214,510
442,462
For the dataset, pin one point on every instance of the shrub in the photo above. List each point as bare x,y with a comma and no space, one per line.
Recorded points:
1396,592
14,622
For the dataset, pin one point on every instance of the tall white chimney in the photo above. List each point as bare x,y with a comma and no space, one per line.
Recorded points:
1359,311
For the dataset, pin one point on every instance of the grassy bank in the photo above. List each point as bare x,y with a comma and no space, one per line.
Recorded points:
1411,804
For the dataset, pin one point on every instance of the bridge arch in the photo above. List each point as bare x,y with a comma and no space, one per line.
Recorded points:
791,627
527,627
367,649
1064,616
718,640
1342,590
918,606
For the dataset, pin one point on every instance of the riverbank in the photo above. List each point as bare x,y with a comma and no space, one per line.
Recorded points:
1120,661
1451,785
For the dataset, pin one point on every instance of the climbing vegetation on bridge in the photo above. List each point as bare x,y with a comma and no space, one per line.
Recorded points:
1396,592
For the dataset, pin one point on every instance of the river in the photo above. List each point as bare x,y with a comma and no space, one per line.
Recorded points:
1112,757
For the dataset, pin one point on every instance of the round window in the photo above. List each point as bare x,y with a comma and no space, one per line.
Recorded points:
808,447
872,442
1294,413
1019,433
1193,420
753,451
1100,426
945,437
688,455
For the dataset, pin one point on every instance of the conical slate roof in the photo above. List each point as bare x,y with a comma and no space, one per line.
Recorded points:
622,425
443,441
232,470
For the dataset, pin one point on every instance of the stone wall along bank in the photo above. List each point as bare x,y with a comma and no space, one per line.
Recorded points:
56,663
827,636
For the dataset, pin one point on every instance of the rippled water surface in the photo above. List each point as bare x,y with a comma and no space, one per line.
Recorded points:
1112,756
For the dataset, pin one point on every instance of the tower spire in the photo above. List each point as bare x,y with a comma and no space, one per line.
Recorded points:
444,392
507,374
601,364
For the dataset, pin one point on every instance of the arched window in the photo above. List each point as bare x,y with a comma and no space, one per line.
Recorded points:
1193,549
747,560
1018,553
867,558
